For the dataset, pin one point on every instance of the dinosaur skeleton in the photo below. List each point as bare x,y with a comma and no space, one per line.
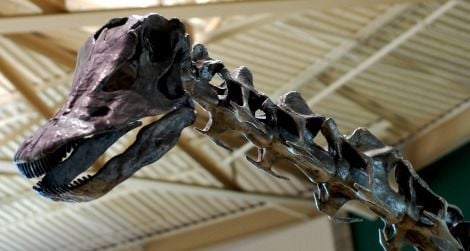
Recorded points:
135,67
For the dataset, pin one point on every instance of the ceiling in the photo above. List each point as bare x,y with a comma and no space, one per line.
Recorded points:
399,68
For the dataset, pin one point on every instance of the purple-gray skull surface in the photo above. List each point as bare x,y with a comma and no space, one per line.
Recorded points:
129,69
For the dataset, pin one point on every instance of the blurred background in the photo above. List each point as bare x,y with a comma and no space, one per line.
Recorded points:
401,68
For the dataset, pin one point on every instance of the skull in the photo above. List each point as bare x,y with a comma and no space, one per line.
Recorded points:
129,69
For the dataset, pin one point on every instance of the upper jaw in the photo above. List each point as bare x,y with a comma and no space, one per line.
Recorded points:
62,134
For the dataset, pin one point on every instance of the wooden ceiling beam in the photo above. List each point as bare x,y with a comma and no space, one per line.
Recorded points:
227,228
370,104
51,6
207,162
236,27
42,44
28,23
439,137
12,7
164,186
270,211
23,85
380,54
46,47
344,48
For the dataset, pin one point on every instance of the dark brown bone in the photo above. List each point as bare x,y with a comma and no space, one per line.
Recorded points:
354,167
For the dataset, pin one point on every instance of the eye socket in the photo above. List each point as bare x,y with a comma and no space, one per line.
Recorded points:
99,111
122,79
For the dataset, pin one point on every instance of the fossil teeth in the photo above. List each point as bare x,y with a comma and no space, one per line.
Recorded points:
65,188
30,169
60,190
27,170
34,168
43,165
47,164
